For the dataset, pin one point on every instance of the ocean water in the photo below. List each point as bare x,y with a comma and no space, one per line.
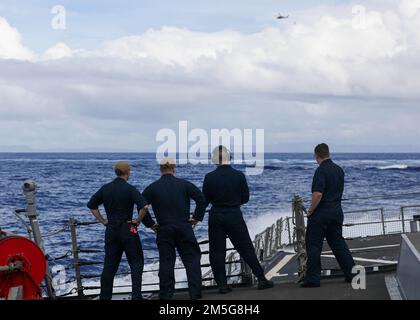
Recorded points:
67,180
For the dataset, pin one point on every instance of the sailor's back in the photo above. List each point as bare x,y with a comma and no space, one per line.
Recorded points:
325,218
118,198
226,188
121,236
329,180
170,199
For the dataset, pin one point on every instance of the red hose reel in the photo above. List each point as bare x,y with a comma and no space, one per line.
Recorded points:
22,264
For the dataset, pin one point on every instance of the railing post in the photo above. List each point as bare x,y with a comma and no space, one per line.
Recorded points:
402,219
383,221
266,240
279,233
246,274
229,265
261,255
289,230
271,240
299,219
76,262
259,251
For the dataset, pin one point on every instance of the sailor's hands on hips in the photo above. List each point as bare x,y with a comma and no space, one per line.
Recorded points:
135,222
142,214
193,221
143,211
155,227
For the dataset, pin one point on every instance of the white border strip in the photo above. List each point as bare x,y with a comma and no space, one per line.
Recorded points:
411,246
365,260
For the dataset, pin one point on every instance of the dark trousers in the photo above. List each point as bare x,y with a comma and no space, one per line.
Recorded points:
178,237
119,240
230,223
326,224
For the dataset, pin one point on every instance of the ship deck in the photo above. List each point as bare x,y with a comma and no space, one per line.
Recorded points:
415,240
378,254
331,289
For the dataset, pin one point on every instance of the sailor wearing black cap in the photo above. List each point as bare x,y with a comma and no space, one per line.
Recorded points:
170,199
227,189
119,198
325,219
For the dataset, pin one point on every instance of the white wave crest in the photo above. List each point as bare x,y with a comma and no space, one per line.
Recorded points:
394,167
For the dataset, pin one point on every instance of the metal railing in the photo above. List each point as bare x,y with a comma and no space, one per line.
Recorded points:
357,224
407,214
236,270
274,238
285,232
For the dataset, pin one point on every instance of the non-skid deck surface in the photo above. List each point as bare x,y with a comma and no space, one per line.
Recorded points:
367,252
331,289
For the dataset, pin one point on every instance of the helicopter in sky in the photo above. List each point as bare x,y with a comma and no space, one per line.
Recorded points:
281,16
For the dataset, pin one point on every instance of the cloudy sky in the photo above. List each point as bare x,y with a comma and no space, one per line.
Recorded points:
343,72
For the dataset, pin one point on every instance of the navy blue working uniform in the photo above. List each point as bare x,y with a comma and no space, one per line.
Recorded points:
170,199
119,198
327,222
227,189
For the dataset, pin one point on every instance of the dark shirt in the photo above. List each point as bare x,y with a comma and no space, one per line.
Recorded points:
329,180
119,198
170,199
226,187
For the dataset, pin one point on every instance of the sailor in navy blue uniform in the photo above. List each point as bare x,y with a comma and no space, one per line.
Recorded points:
170,199
227,189
119,198
325,219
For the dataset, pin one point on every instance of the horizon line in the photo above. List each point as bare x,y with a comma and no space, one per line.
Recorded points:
150,152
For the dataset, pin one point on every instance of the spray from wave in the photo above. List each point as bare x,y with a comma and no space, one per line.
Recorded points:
259,223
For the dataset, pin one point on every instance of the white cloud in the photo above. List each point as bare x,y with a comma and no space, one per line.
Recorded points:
10,43
291,80
291,60
173,46
58,51
410,8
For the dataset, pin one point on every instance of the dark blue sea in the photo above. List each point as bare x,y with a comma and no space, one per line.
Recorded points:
67,180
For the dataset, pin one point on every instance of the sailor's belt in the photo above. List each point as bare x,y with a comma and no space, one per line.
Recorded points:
118,223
